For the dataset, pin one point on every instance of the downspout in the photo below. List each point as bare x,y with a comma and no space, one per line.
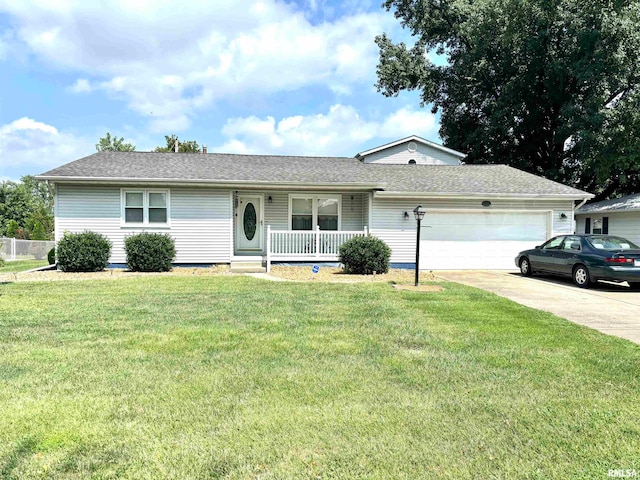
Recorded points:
576,207
573,213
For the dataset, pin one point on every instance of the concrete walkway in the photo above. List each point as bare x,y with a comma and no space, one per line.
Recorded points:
611,309
266,276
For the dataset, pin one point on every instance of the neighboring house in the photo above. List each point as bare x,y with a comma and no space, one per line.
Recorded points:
223,208
620,216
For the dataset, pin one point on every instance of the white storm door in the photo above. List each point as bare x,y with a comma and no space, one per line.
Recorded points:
249,222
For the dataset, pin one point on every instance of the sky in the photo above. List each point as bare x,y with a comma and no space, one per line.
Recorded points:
264,77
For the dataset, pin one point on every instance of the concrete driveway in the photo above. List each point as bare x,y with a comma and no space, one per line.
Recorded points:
611,309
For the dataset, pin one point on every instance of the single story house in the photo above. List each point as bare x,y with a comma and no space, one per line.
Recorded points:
620,216
226,208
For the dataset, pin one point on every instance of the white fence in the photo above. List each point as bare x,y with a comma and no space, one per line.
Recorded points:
306,244
14,249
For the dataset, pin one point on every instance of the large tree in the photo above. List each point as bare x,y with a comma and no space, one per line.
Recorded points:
24,205
184,146
547,86
114,144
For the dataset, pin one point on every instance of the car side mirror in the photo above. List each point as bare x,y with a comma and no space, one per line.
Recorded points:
538,247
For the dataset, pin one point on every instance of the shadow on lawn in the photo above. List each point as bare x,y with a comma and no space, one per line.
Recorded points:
23,449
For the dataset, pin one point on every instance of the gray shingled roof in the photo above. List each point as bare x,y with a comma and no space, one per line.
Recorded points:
622,204
215,168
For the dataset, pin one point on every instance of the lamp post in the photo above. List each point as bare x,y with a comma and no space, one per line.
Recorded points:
418,212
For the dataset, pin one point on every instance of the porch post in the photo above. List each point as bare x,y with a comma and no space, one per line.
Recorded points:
366,232
268,248
317,241
13,248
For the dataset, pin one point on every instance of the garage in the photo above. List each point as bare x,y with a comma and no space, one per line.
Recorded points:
479,240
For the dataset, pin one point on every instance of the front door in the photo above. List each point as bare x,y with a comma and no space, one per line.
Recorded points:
249,223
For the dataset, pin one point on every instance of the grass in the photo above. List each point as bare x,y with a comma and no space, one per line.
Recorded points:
22,265
233,377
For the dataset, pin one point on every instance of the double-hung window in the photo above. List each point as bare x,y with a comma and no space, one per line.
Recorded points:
144,207
309,211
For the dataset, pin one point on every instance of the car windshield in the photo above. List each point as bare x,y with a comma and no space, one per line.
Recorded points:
612,243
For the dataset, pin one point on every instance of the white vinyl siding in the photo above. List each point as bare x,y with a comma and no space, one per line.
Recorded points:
200,220
389,224
424,155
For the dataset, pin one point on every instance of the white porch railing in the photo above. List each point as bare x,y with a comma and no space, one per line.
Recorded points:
306,244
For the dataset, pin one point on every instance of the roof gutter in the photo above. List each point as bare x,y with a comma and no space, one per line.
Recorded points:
581,203
523,196
212,183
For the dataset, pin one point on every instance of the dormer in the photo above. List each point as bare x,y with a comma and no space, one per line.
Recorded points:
412,150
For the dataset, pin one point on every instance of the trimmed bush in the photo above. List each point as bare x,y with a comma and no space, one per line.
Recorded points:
83,252
365,255
150,252
51,256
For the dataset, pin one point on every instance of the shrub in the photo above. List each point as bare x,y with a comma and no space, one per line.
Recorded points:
150,252
365,255
51,256
83,252
12,229
1,262
38,232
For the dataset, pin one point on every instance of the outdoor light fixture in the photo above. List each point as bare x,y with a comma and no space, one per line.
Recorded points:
418,212
270,199
563,215
406,215
486,203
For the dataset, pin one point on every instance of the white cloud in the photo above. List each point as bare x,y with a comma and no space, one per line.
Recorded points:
341,131
406,121
82,85
169,60
30,147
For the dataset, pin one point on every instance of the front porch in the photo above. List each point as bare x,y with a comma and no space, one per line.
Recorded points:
296,246
296,226
305,245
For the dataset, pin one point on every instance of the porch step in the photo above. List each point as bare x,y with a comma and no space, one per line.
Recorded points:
247,267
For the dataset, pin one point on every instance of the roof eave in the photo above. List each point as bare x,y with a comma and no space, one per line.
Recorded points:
211,183
607,210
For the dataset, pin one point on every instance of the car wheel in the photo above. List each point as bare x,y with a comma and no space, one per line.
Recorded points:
581,276
525,267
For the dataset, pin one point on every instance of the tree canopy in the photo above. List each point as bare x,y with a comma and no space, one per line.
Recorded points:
547,86
184,146
26,209
113,144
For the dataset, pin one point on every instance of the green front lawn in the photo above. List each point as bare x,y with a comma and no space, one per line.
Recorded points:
233,377
22,266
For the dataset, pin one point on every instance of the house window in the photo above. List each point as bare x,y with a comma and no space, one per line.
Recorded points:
596,225
145,207
307,211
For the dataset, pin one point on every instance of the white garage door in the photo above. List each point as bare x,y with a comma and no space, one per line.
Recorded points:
482,240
